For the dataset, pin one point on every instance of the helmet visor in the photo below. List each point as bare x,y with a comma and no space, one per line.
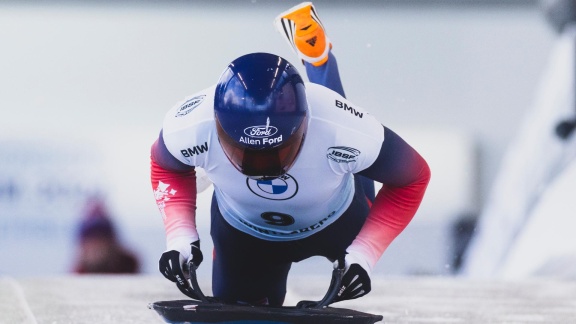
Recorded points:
265,163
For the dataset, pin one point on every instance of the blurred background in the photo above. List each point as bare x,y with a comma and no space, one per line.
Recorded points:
478,87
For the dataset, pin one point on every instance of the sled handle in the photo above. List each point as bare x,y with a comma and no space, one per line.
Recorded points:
335,284
194,282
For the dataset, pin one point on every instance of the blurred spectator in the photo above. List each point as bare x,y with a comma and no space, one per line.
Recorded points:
99,250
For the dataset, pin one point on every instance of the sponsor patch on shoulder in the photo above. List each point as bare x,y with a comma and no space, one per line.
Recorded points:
342,154
189,105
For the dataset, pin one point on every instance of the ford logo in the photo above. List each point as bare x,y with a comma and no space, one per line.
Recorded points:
261,131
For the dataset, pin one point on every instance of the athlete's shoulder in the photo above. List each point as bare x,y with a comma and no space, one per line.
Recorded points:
188,129
194,109
350,136
329,105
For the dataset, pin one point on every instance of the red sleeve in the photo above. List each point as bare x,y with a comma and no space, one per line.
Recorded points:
175,193
392,210
405,176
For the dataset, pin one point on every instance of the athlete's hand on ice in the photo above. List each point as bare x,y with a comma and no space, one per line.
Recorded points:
356,280
174,266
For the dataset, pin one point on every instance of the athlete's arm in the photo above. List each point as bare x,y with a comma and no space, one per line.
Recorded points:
174,185
405,176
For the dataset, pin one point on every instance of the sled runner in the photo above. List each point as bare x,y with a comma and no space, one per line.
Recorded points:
210,310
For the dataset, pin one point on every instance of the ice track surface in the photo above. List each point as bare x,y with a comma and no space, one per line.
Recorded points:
125,299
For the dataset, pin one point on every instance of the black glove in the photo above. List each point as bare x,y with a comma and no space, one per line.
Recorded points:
173,265
355,282
196,254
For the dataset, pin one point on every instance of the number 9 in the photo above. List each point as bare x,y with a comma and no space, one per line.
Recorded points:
278,219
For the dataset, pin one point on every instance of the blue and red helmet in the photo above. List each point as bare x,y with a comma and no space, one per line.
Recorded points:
261,114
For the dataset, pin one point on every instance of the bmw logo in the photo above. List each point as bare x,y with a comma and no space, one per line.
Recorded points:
281,188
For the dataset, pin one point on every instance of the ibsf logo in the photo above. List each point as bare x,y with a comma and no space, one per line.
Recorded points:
189,105
261,131
342,154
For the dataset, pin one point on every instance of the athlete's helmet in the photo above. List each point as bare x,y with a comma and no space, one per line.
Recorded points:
261,114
